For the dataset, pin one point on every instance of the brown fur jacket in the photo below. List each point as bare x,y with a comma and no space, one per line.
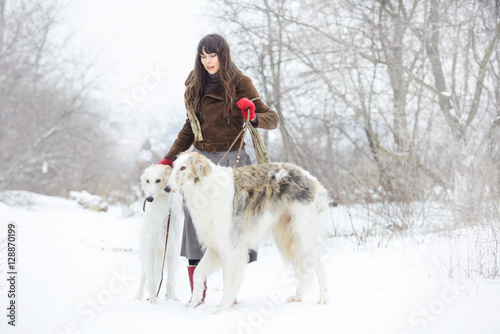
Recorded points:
219,131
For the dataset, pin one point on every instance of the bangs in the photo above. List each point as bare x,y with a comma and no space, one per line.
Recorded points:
210,44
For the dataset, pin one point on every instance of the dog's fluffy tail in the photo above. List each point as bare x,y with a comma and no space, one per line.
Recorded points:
301,233
284,237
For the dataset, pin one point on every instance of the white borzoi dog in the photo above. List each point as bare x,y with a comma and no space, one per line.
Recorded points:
154,229
234,209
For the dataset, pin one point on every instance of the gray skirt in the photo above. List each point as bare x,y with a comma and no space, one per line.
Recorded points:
191,247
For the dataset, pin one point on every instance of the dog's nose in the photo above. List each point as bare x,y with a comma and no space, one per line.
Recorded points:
168,189
150,199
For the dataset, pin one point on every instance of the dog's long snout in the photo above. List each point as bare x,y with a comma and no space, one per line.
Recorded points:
150,199
168,189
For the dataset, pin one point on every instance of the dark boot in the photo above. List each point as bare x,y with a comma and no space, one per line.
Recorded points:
190,274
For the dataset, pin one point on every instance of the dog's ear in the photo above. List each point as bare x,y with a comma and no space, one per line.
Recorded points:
168,171
143,181
201,168
204,168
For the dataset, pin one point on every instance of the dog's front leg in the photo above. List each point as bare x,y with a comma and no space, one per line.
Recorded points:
141,285
172,254
150,274
232,271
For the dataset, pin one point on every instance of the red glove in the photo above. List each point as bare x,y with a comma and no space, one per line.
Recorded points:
244,104
166,161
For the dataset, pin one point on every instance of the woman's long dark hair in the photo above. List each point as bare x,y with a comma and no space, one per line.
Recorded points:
229,74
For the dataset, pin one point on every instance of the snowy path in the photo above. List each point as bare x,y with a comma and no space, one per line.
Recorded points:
78,272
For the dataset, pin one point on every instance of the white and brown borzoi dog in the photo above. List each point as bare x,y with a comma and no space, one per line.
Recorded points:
153,232
234,209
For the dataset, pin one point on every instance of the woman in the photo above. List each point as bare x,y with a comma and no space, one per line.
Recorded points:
217,98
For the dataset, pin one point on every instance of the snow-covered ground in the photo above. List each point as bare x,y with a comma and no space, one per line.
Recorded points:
78,272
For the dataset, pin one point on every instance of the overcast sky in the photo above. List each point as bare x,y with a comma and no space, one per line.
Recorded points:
145,49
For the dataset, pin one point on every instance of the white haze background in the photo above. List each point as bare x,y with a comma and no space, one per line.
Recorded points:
79,270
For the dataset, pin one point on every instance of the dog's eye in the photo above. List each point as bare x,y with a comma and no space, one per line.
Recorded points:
183,167
147,181
158,181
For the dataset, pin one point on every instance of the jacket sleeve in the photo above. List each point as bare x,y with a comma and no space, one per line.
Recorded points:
184,140
266,117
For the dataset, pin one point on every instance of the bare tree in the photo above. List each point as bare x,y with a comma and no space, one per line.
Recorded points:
398,101
49,129
258,29
378,69
469,33
359,64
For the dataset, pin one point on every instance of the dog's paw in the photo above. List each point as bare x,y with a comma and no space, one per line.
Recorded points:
153,300
219,311
175,299
322,300
294,299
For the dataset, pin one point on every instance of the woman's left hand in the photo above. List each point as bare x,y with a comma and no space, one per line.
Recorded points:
166,161
246,105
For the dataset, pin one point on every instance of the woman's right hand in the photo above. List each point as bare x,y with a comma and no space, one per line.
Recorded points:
247,106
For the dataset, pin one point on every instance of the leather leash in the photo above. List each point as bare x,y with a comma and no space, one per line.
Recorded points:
164,255
243,131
